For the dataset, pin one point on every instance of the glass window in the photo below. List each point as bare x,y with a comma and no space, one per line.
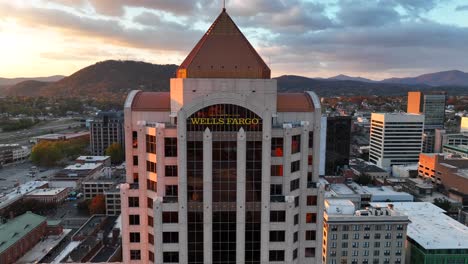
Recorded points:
294,185
295,144
277,147
276,170
277,236
134,139
150,221
135,160
277,216
171,190
276,189
170,147
310,252
150,239
134,219
171,171
170,237
311,200
171,257
310,235
276,255
311,218
150,144
150,202
135,254
295,166
151,185
150,166
150,256
133,202
170,217
134,237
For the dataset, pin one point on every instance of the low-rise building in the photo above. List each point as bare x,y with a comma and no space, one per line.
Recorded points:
48,195
460,150
418,187
432,237
10,153
72,176
19,235
405,171
105,160
374,235
449,171
387,194
361,167
113,202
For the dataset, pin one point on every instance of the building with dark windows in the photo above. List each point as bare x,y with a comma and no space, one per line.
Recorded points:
432,106
395,139
338,144
106,128
222,168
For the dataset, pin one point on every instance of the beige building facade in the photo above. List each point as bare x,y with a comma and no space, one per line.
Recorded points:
223,168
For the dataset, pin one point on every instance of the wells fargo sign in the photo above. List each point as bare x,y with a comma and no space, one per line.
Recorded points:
224,121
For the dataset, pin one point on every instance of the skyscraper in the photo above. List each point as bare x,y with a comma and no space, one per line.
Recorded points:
106,129
338,143
432,105
222,169
395,139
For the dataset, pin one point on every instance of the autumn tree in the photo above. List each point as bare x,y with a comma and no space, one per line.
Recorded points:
116,153
97,205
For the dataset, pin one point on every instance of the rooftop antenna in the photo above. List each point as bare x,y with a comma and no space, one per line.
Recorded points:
224,5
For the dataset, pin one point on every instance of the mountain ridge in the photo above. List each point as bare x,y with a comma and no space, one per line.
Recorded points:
113,79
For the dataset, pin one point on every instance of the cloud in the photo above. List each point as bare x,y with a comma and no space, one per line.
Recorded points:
462,8
163,35
366,13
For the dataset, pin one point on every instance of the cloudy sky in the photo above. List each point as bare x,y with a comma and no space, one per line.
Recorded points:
316,38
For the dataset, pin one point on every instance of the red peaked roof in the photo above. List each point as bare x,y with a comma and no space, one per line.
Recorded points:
223,52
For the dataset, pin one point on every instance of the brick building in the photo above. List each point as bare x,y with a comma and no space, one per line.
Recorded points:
19,235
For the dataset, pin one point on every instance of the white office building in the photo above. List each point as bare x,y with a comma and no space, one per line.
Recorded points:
395,139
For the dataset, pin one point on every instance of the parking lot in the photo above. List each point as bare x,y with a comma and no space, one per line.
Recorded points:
18,173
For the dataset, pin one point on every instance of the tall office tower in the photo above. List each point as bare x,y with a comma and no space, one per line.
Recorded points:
338,143
373,235
222,168
432,105
106,128
395,139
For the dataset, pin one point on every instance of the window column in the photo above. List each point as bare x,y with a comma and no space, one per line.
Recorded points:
207,196
241,181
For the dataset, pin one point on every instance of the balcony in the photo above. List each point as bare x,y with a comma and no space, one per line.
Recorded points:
311,185
134,186
277,199
170,199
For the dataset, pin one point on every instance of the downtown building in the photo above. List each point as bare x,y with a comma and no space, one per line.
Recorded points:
375,235
395,139
106,129
432,106
223,168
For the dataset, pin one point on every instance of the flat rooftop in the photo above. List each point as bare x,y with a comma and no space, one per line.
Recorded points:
46,191
341,189
18,192
430,227
15,229
86,166
92,158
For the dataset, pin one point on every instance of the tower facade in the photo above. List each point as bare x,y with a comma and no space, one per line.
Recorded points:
222,168
395,139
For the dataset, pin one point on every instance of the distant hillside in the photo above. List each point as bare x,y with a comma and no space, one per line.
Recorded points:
445,78
26,88
343,77
114,79
329,88
12,81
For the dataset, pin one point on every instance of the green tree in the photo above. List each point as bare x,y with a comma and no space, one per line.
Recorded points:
116,152
443,203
